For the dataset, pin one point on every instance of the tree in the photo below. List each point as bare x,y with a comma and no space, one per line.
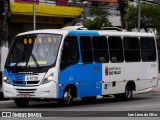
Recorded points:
150,16
123,4
98,19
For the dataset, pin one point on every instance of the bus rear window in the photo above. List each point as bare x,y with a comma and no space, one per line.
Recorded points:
148,49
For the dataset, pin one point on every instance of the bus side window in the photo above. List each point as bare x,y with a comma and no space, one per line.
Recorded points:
115,49
131,49
70,54
148,49
86,49
100,49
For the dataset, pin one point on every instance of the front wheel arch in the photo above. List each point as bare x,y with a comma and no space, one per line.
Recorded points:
69,93
73,89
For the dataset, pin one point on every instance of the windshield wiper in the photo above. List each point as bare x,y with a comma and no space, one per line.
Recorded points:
18,61
35,60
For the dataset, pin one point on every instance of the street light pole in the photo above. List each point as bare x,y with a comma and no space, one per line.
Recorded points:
139,15
5,23
34,14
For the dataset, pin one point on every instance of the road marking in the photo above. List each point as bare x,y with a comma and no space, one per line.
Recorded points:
140,106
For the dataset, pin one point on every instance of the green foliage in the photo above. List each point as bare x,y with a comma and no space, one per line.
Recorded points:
97,23
150,16
97,11
99,19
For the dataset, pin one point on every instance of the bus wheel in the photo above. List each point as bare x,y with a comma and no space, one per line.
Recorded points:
89,99
21,102
128,93
67,98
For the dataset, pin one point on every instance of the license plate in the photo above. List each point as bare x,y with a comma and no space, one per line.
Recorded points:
24,95
31,78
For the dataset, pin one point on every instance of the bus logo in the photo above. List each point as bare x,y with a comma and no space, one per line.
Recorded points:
112,70
106,70
24,82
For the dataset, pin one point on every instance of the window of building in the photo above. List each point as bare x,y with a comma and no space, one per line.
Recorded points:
115,49
148,49
86,49
70,53
100,49
131,49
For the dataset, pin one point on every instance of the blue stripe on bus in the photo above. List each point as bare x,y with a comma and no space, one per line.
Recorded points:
82,32
15,79
86,77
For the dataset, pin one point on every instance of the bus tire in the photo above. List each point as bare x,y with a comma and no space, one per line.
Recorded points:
128,93
67,97
21,102
127,96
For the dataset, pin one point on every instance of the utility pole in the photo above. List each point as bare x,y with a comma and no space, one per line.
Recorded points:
1,19
139,15
34,14
5,22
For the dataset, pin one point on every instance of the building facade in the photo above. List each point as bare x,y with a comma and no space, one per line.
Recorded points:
17,16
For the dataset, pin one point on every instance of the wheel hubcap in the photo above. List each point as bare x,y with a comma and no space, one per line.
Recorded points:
67,97
128,93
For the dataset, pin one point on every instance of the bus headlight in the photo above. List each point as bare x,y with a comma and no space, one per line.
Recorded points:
47,79
5,79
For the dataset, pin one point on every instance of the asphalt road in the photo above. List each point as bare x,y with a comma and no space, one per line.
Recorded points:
103,108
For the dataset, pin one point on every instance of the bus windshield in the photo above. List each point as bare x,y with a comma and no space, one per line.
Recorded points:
34,50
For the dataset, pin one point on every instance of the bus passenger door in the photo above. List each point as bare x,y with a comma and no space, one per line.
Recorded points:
90,76
69,64
93,53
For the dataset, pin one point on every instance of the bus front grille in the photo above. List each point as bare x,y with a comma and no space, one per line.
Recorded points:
25,83
26,91
18,82
32,82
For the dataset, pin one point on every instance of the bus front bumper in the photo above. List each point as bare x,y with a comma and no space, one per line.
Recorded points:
48,90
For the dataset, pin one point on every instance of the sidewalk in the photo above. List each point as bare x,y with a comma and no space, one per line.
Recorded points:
155,89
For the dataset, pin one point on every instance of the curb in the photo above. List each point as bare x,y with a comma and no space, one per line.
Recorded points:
144,91
156,89
6,102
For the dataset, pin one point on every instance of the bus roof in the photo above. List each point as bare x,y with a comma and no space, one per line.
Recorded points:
124,33
88,32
